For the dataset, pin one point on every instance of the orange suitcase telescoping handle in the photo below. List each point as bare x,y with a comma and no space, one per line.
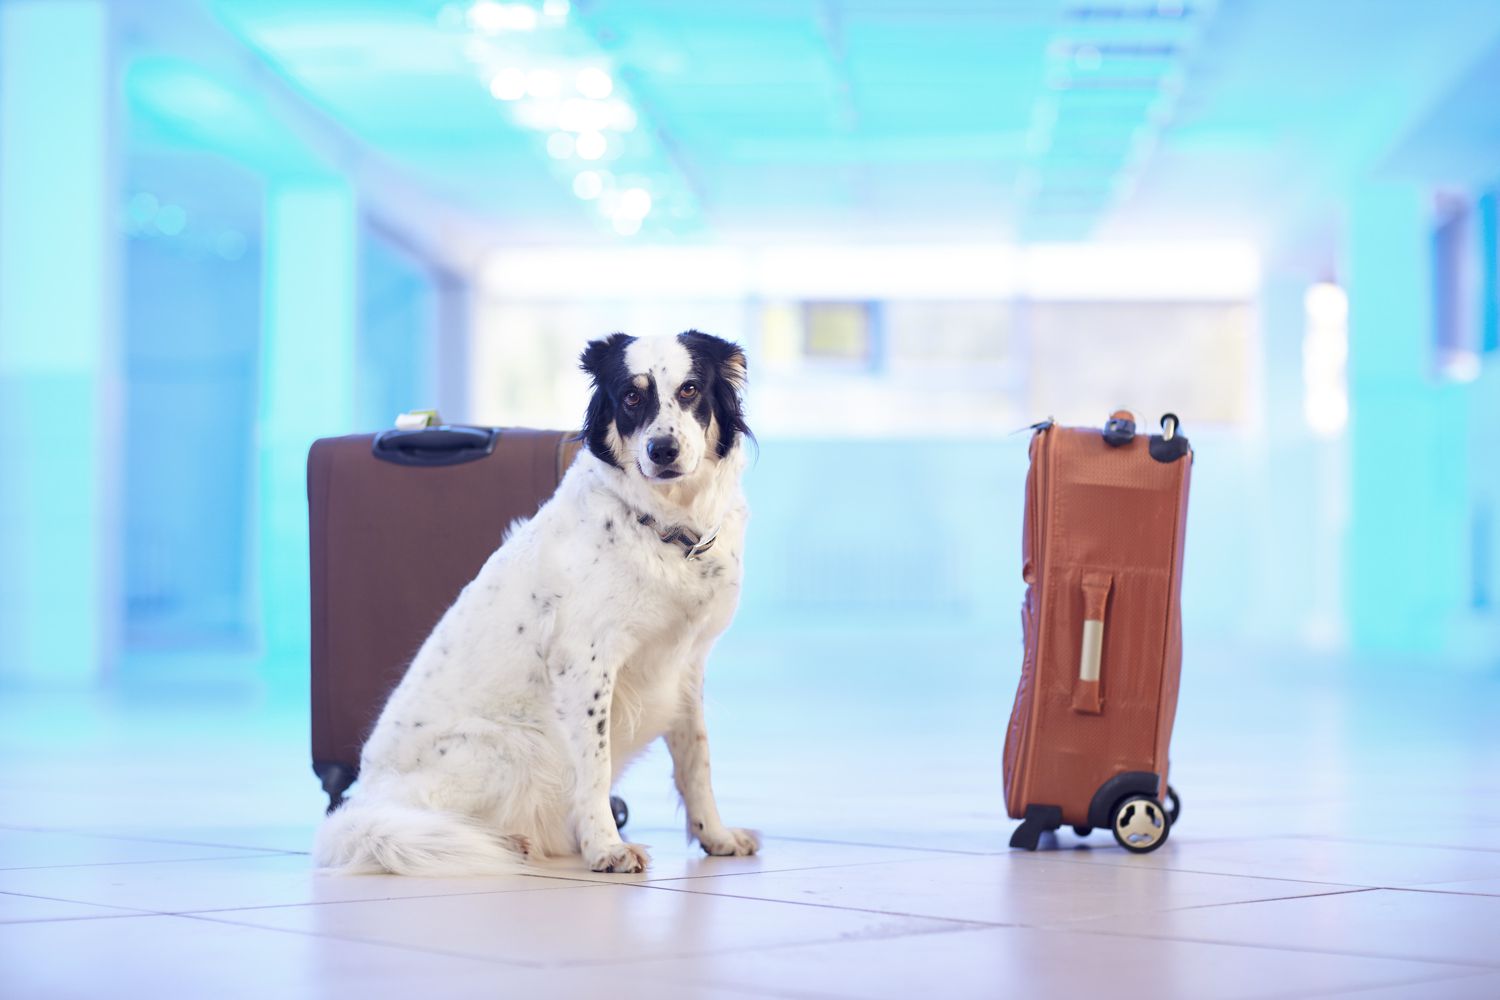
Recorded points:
1086,699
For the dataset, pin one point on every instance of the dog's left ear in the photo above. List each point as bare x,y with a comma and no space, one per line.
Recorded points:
730,370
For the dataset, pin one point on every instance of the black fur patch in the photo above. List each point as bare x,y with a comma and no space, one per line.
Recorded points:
604,360
719,368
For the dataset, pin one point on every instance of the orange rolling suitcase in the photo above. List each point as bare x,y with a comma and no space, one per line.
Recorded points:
1102,561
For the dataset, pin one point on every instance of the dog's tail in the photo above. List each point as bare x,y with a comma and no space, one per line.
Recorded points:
368,838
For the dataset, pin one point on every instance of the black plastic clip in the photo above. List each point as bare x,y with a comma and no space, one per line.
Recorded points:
1119,430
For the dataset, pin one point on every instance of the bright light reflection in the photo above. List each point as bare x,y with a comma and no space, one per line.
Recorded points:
508,85
493,18
594,82
635,203
1325,356
588,185
543,83
591,145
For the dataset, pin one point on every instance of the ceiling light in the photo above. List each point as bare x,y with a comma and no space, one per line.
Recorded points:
171,219
635,203
621,115
141,209
508,85
592,145
594,82
1326,302
493,18
588,185
542,83
579,115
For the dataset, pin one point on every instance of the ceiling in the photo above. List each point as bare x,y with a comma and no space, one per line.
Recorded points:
890,120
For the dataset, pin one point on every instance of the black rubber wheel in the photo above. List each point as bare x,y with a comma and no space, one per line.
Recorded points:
1174,806
1140,824
622,814
1083,831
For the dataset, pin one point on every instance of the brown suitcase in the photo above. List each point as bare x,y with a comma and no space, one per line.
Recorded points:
1102,560
400,522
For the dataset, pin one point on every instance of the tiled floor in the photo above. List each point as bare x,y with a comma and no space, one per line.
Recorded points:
1340,837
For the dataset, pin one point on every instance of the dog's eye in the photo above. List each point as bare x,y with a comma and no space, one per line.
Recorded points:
631,398
688,391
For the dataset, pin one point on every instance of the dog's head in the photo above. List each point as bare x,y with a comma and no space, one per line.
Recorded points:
662,405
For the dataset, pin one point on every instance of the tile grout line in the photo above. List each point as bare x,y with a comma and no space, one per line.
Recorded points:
956,927
737,874
988,923
127,911
150,861
353,940
577,884
1124,862
1306,950
138,839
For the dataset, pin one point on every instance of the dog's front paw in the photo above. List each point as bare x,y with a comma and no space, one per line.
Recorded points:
729,843
623,858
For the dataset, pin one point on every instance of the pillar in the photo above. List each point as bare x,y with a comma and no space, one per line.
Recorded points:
59,357
1407,552
307,386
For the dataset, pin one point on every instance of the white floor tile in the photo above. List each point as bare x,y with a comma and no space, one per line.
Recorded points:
56,848
583,924
164,956
233,883
22,909
881,805
1388,923
1002,889
1314,859
289,838
999,962
1485,986
673,858
1478,886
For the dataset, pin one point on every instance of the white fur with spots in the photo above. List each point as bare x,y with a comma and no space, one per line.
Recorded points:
582,640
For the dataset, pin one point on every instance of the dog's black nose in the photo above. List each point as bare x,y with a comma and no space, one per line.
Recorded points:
662,450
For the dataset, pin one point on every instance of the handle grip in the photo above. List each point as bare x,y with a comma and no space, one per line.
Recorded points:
1086,696
433,446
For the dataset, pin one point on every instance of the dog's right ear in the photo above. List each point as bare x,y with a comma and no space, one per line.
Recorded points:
597,359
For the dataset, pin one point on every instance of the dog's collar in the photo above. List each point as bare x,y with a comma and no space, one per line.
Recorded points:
676,534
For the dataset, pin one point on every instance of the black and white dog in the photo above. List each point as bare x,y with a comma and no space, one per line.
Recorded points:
581,640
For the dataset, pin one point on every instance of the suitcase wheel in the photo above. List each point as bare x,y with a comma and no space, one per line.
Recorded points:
1140,824
1083,831
1174,805
622,814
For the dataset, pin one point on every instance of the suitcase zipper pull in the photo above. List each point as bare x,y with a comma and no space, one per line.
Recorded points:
1040,425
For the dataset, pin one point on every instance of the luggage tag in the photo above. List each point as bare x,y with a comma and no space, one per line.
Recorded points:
415,420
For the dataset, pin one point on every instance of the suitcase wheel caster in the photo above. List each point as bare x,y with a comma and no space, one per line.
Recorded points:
622,814
1140,824
1083,831
1174,805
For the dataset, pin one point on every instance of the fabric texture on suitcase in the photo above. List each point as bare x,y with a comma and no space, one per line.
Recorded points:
391,547
1102,558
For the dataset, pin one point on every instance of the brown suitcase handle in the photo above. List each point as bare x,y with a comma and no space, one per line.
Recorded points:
1086,699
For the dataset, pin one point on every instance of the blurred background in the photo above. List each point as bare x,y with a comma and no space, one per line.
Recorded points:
228,227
